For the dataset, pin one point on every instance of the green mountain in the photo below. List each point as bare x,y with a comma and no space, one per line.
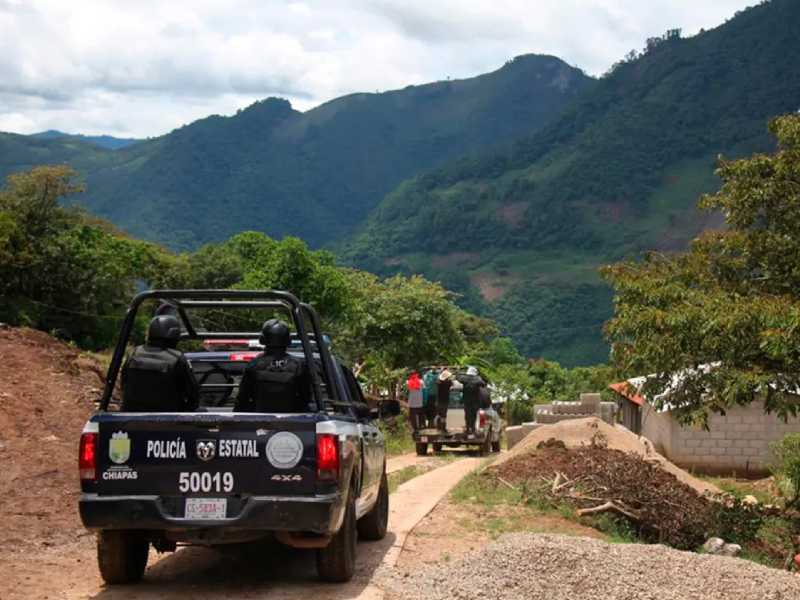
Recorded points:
315,174
104,141
521,232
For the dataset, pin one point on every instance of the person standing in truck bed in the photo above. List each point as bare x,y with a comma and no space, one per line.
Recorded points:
429,383
443,384
415,401
472,383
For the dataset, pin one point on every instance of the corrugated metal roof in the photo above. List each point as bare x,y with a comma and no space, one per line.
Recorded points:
628,391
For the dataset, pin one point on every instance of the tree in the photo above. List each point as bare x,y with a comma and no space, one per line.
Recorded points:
406,322
719,325
61,269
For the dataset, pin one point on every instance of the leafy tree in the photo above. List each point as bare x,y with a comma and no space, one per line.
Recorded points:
406,322
725,316
786,455
61,269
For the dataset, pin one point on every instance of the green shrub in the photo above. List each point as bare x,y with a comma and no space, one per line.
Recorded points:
786,466
734,520
397,432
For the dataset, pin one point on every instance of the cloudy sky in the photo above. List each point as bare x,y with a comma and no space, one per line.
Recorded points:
144,67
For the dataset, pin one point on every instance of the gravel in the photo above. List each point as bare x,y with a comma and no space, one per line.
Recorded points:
554,567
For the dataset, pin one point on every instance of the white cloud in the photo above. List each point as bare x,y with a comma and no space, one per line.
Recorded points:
145,67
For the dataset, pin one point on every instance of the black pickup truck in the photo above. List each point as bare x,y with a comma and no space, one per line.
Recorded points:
213,476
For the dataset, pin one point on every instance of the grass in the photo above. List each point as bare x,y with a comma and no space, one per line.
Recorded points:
515,509
740,488
397,435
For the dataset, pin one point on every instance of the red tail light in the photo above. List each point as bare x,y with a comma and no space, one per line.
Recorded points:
87,457
327,457
481,419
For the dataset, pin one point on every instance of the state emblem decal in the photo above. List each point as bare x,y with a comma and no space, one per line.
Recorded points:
119,447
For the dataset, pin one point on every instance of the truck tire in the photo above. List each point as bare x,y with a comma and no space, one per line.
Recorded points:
121,556
496,446
437,447
336,562
422,448
486,445
372,526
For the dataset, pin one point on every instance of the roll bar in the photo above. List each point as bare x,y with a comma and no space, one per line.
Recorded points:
183,299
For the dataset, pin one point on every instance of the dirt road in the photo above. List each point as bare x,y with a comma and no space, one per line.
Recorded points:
247,571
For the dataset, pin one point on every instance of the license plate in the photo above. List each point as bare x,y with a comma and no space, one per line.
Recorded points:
423,438
199,509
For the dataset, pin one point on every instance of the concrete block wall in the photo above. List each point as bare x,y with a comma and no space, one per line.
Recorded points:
738,442
657,427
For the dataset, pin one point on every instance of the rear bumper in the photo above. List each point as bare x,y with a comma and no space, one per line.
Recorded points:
450,437
320,514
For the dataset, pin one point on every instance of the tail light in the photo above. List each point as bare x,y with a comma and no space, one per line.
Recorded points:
87,457
327,457
481,420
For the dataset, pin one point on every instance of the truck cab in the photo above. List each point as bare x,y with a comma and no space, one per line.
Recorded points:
312,479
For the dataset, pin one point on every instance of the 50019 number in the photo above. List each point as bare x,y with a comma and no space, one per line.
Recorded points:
205,482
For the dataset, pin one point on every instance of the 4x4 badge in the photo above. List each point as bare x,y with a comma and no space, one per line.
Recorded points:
206,449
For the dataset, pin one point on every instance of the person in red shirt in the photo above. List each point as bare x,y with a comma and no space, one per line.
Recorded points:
415,408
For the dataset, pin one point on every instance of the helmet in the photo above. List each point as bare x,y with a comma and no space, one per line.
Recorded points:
275,334
164,330
472,371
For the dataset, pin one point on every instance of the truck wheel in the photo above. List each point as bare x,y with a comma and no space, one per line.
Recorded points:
496,446
437,448
372,526
336,562
422,448
486,445
121,556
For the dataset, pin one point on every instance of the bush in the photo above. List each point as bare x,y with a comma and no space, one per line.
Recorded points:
397,432
786,466
734,520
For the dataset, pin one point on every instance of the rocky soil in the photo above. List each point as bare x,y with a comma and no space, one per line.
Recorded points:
47,391
525,566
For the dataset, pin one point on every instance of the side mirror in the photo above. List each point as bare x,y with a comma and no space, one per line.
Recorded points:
362,410
389,408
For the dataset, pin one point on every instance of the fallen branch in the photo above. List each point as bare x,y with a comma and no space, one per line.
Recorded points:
556,482
508,485
576,496
608,506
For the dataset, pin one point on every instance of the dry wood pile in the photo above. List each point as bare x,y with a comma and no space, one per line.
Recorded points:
597,479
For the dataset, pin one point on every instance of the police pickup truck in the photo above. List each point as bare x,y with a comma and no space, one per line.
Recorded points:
315,479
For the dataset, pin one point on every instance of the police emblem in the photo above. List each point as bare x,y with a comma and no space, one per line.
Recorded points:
119,447
206,449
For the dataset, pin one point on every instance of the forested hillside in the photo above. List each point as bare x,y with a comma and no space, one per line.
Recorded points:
104,141
315,174
523,231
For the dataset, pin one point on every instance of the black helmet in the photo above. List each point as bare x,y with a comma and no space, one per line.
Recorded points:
275,334
164,330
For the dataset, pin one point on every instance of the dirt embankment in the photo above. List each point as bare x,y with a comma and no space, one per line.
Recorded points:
47,390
